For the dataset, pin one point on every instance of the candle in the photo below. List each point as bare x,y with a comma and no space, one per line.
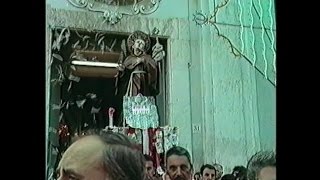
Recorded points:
110,112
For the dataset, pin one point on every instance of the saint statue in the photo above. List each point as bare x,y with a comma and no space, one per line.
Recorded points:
139,66
139,71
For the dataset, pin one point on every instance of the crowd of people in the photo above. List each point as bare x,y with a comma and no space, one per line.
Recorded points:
112,156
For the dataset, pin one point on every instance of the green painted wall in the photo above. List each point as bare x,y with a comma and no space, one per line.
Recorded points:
239,103
224,95
267,113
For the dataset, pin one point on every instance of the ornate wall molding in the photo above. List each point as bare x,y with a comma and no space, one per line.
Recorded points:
113,10
170,28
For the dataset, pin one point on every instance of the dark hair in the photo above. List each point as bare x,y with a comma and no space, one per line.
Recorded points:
197,173
180,151
228,177
121,159
239,168
209,166
147,157
259,161
240,172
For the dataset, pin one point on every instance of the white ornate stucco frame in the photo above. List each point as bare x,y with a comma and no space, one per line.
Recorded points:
114,13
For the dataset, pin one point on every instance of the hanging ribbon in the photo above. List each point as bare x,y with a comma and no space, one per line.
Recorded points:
145,142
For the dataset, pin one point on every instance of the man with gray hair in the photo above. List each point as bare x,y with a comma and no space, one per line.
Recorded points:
262,166
178,164
107,155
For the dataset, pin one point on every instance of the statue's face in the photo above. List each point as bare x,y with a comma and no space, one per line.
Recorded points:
138,47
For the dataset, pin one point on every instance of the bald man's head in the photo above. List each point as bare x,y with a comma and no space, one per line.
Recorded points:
84,152
105,156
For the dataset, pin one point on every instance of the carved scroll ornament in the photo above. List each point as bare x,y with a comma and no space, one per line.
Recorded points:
113,10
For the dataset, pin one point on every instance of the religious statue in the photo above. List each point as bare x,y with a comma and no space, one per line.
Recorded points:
139,72
140,66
